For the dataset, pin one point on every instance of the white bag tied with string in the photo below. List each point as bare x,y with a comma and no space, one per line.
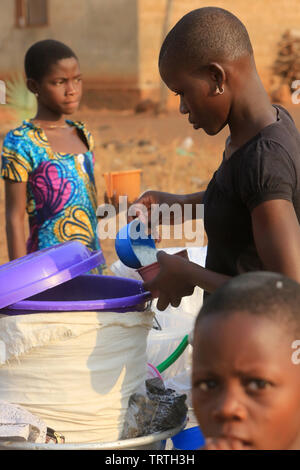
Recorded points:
75,370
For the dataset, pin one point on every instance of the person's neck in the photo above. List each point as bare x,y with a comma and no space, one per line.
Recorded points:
250,113
48,117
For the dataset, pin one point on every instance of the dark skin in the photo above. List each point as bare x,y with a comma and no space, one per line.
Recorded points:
245,107
58,93
245,392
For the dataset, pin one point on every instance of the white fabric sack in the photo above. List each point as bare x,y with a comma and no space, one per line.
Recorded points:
75,370
17,424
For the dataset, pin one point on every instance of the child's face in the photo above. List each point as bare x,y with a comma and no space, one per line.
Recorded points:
244,383
61,89
205,109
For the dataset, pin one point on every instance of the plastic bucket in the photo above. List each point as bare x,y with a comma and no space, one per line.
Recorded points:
188,439
75,353
84,293
123,183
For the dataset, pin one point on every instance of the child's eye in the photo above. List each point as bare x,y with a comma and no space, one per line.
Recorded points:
257,384
205,385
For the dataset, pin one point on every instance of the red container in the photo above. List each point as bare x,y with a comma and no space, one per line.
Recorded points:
151,271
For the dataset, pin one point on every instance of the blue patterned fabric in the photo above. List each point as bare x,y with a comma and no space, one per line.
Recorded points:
61,192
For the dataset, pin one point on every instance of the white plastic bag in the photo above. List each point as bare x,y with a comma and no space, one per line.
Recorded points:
175,324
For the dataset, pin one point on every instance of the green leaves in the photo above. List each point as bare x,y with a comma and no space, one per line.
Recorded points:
19,98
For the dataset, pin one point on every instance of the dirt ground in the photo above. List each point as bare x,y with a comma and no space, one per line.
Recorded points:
154,143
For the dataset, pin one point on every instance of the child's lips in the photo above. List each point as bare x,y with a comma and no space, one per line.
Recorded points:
70,103
246,443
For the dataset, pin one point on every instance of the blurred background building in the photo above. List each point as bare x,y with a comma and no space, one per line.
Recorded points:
118,41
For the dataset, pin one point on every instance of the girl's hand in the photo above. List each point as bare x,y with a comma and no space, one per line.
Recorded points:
174,281
153,209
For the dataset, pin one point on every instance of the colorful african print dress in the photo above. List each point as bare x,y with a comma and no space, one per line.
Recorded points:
61,191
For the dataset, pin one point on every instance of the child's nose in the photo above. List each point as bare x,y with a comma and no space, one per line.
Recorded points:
70,90
182,106
230,407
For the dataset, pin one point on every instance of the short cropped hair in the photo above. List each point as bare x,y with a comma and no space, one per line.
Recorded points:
42,55
206,35
260,293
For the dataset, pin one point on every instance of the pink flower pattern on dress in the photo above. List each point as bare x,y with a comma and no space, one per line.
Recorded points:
51,190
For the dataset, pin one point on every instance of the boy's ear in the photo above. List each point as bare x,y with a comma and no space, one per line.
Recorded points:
217,74
32,85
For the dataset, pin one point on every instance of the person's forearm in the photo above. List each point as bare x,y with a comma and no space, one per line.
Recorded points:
206,279
194,200
15,234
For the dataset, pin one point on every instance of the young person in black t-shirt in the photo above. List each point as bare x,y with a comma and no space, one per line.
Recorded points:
252,203
246,392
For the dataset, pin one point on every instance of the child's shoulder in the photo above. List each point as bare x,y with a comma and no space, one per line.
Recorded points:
19,133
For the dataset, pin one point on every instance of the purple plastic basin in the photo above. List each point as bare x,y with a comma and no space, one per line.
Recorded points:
39,271
83,293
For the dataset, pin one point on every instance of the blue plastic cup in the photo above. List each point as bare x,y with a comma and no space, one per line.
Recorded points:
189,439
129,236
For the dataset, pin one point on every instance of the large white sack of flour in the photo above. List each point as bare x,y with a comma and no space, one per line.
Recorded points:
75,370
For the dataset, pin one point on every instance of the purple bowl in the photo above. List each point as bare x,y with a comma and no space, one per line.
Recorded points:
85,293
39,271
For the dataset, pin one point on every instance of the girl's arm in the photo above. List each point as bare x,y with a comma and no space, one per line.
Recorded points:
15,207
150,198
277,238
276,233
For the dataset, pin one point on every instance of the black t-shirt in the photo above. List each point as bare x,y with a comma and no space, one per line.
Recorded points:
266,167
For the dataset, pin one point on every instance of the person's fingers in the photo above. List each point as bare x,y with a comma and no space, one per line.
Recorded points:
161,256
138,210
163,301
176,302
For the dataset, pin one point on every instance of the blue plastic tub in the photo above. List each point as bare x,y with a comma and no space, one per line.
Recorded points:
189,439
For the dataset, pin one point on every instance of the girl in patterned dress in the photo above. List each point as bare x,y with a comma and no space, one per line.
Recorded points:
47,162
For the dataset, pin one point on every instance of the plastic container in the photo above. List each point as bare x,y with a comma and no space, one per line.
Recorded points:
152,372
44,269
151,271
127,238
155,441
67,345
188,439
123,183
85,293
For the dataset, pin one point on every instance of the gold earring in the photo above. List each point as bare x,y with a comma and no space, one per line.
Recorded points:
219,92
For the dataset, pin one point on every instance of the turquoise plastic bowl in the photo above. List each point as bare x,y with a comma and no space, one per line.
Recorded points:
130,235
